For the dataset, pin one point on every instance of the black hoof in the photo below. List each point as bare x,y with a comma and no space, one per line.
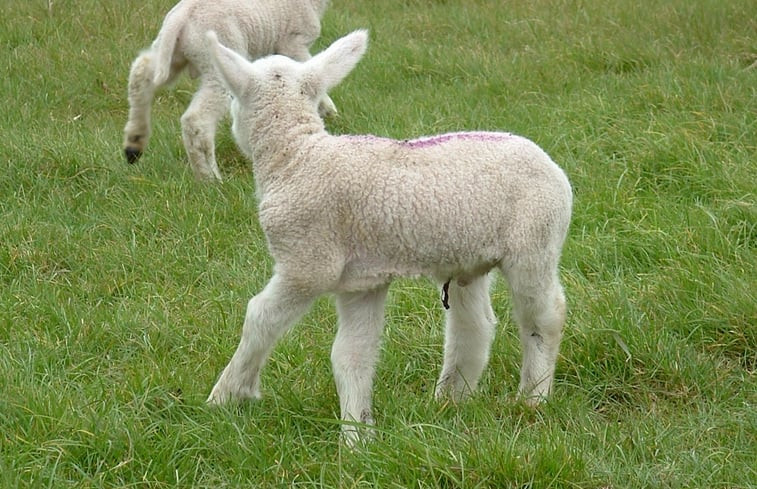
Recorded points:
132,155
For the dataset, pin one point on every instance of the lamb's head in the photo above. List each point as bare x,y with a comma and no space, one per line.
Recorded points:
279,85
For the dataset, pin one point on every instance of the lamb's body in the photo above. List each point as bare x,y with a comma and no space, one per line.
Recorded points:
437,207
347,214
253,27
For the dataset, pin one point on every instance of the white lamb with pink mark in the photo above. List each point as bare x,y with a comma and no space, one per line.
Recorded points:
348,214
253,27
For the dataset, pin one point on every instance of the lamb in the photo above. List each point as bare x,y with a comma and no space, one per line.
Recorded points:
347,214
253,27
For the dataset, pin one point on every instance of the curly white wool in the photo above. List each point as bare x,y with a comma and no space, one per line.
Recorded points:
347,214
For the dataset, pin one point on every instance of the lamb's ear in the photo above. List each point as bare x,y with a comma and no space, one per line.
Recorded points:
329,67
233,67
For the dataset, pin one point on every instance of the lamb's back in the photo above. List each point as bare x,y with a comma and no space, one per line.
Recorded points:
255,28
457,198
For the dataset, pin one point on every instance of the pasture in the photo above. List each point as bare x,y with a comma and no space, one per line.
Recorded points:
123,287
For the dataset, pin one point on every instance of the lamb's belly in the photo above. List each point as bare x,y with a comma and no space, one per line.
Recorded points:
364,274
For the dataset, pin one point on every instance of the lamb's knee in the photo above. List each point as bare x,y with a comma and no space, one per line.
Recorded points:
141,75
345,358
198,136
192,126
198,131
552,318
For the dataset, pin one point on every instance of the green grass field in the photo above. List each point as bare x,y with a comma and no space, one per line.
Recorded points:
123,288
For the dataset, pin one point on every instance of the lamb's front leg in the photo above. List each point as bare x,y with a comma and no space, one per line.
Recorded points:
141,94
269,314
354,355
198,128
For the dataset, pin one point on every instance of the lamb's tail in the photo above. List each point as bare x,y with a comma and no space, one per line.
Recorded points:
166,42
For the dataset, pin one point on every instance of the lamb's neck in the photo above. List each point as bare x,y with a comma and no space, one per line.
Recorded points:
278,139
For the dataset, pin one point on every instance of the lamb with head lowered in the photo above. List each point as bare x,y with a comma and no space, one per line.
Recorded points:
253,27
348,214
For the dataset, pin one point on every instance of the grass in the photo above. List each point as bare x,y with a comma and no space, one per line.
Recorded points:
123,287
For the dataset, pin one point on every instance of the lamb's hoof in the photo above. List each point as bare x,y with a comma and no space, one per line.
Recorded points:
222,395
132,155
356,438
533,401
453,388
355,435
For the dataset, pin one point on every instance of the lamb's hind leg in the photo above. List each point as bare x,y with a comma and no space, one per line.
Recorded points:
354,355
470,329
539,310
198,126
269,315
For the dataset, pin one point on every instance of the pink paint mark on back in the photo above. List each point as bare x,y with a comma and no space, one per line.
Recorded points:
455,136
429,141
